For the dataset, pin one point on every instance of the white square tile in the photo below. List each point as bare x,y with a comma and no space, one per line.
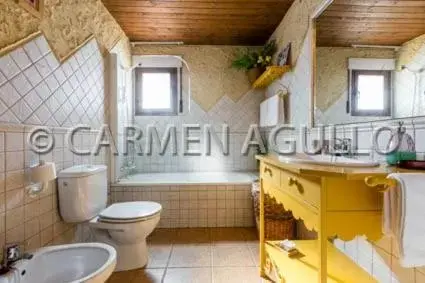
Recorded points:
43,67
8,66
14,141
42,45
33,100
52,61
21,110
43,91
32,51
52,83
33,75
21,58
21,84
8,94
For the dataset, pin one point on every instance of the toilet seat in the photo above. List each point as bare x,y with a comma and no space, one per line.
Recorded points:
127,212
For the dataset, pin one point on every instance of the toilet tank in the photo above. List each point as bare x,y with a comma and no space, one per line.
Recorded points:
82,192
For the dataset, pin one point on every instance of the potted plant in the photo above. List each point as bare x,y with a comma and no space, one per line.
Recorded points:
255,62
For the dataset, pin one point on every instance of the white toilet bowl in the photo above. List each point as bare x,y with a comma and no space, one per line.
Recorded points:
83,194
125,226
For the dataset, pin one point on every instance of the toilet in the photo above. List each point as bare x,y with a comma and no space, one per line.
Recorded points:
82,194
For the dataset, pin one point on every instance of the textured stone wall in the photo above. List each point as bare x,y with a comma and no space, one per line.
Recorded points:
294,26
332,75
409,51
210,67
65,23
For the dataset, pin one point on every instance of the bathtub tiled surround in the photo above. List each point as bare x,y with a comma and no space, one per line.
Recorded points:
194,205
36,89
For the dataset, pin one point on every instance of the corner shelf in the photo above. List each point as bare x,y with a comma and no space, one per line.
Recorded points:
271,74
306,267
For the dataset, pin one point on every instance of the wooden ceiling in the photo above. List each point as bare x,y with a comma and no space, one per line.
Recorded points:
371,22
215,22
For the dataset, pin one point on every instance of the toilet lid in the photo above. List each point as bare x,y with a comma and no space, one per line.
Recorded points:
135,210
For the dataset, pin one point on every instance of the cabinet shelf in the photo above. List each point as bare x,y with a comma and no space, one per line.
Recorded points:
270,74
305,268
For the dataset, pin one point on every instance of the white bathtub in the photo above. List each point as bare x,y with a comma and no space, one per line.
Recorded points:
189,178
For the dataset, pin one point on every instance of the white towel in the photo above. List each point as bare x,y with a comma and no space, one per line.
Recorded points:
404,217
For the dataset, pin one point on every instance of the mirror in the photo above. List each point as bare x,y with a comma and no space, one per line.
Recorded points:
370,62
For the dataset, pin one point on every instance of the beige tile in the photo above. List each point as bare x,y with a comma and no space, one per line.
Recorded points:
15,235
33,243
385,244
420,277
46,236
59,228
32,210
236,274
15,179
46,220
188,275
14,198
14,217
229,255
255,253
190,256
14,141
46,204
158,256
404,275
2,202
2,222
14,160
32,227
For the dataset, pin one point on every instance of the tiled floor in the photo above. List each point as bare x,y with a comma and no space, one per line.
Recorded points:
201,255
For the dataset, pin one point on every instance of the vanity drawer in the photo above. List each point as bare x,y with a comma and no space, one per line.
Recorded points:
306,189
270,173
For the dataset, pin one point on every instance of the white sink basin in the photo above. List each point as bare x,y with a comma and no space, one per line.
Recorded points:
89,263
328,160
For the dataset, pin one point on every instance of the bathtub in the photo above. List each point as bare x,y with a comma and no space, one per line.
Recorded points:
189,178
192,199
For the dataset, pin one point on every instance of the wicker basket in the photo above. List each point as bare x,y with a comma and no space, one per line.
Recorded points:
279,223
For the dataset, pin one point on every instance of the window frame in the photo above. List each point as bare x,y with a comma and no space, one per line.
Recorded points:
386,112
138,95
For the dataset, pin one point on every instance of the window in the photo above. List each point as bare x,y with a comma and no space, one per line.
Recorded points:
157,91
370,93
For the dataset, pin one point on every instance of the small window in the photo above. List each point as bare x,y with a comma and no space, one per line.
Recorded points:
370,93
157,91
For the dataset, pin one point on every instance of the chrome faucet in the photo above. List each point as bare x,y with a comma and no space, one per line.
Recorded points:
336,147
11,254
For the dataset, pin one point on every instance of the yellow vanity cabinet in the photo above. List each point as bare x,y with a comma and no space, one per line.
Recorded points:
333,201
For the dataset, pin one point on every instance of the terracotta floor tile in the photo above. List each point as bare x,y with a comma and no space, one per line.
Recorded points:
162,236
229,235
147,276
159,256
188,275
232,256
193,236
236,274
190,256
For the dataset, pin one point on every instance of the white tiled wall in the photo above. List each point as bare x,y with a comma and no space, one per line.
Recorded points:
194,206
237,115
36,89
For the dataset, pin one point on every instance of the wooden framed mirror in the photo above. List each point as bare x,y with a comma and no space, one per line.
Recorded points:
368,61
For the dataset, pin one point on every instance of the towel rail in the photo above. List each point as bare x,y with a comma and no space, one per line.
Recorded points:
382,184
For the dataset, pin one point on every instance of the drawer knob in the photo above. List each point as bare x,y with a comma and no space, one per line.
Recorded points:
292,181
266,169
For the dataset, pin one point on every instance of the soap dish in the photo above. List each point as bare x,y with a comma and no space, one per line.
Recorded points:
412,164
